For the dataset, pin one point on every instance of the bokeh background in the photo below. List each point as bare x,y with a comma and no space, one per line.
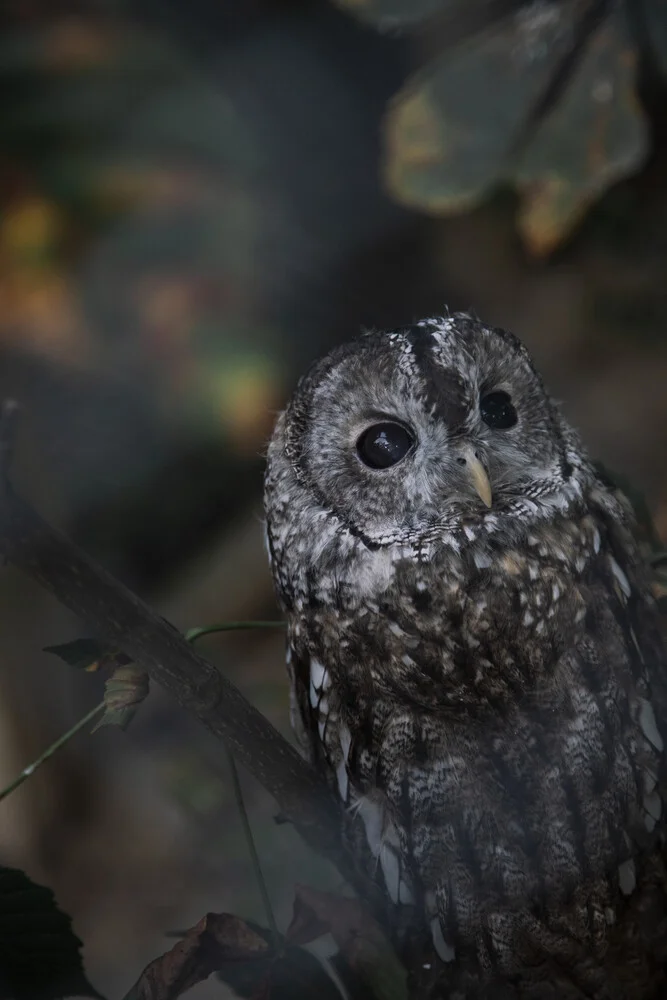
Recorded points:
196,199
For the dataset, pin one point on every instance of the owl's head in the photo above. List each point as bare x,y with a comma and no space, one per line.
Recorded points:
406,437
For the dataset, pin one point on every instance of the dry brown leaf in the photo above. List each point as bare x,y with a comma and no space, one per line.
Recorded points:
218,939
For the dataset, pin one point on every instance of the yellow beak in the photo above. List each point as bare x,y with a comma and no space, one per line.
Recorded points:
478,476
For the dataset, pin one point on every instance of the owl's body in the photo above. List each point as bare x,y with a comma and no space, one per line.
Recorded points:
476,664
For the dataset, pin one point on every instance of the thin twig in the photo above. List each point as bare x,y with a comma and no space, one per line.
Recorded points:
125,622
254,856
49,752
192,635
195,633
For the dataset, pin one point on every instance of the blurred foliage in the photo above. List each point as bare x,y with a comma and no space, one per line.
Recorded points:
543,95
128,218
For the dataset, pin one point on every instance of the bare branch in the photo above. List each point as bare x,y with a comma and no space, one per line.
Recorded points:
118,615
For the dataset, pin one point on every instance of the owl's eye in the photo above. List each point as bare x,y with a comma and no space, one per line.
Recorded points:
383,445
497,411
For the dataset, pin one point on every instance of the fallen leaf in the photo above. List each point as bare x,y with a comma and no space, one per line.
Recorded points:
218,939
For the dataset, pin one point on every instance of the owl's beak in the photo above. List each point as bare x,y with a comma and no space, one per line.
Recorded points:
478,476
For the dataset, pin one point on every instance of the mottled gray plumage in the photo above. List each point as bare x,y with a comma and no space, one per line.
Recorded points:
485,687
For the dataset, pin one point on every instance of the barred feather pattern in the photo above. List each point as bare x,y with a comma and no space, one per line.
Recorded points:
484,687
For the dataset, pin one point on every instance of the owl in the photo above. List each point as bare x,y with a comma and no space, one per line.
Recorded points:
476,664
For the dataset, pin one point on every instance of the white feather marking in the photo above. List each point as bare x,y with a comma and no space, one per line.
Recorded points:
649,725
391,871
650,779
596,540
345,740
372,814
481,561
341,777
317,674
405,893
627,877
636,642
444,950
323,717
620,576
653,806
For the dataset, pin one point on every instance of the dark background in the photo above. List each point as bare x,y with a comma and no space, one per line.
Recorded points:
190,211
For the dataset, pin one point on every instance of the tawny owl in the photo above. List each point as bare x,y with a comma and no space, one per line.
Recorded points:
476,663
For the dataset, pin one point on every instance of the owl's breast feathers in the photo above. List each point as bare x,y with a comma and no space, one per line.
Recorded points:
492,722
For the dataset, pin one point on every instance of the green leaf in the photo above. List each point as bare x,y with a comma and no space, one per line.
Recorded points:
544,100
39,953
595,134
450,133
88,654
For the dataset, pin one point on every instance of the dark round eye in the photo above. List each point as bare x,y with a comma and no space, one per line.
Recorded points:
383,445
497,411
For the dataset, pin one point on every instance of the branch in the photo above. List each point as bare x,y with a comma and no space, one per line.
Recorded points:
87,589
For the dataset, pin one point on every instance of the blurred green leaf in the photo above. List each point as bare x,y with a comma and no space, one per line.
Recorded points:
543,98
39,953
450,132
388,14
595,134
